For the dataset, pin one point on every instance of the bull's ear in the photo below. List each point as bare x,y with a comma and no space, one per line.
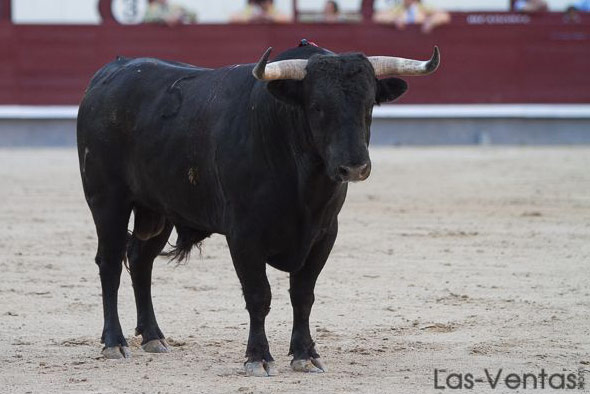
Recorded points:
287,91
390,89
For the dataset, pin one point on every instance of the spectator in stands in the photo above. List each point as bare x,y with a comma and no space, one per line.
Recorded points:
413,12
332,12
531,6
160,11
260,11
572,15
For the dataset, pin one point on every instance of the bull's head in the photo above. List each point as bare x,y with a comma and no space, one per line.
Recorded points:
337,94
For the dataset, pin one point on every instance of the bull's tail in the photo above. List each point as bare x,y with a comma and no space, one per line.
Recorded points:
187,239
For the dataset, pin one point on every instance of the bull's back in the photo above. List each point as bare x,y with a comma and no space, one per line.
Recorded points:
146,126
126,101
122,92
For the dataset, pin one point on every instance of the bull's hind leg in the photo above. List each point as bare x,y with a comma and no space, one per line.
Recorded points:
141,255
111,216
305,357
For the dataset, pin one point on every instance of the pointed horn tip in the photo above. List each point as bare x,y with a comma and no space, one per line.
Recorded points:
434,61
258,71
267,53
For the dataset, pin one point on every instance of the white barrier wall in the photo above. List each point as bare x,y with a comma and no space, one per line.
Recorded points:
456,5
86,11
518,124
219,11
55,12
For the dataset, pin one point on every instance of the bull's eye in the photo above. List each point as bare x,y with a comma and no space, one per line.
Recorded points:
317,110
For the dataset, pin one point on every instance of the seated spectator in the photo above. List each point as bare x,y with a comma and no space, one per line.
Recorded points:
571,15
160,11
260,11
531,6
332,13
413,12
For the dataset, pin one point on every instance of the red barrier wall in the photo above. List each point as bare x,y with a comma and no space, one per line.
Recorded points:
486,58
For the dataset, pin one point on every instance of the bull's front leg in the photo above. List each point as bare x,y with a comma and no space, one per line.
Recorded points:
251,270
305,357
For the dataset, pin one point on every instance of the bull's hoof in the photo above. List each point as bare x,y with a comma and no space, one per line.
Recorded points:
116,352
271,368
314,365
156,346
319,364
261,368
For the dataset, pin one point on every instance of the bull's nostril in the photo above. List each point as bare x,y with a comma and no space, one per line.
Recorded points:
344,172
354,173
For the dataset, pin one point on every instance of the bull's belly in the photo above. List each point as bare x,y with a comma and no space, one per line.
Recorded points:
292,263
196,209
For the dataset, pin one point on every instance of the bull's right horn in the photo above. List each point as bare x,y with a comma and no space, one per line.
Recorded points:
386,65
284,69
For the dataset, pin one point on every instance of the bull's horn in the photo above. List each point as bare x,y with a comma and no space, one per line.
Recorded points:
385,65
284,69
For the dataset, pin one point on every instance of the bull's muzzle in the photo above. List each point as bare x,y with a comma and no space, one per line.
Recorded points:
354,173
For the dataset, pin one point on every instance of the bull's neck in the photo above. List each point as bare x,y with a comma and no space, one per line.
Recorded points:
284,137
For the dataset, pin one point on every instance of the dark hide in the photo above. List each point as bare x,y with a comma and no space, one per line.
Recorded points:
217,151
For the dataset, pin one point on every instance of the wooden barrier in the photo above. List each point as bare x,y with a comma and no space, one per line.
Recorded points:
486,57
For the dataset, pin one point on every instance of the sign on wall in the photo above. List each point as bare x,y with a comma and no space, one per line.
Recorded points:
129,12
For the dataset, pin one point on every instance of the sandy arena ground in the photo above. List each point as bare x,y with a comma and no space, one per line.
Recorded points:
456,258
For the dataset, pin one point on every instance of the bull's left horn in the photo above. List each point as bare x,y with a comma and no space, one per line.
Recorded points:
385,65
284,69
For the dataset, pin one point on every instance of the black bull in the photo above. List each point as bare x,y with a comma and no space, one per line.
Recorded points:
265,163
